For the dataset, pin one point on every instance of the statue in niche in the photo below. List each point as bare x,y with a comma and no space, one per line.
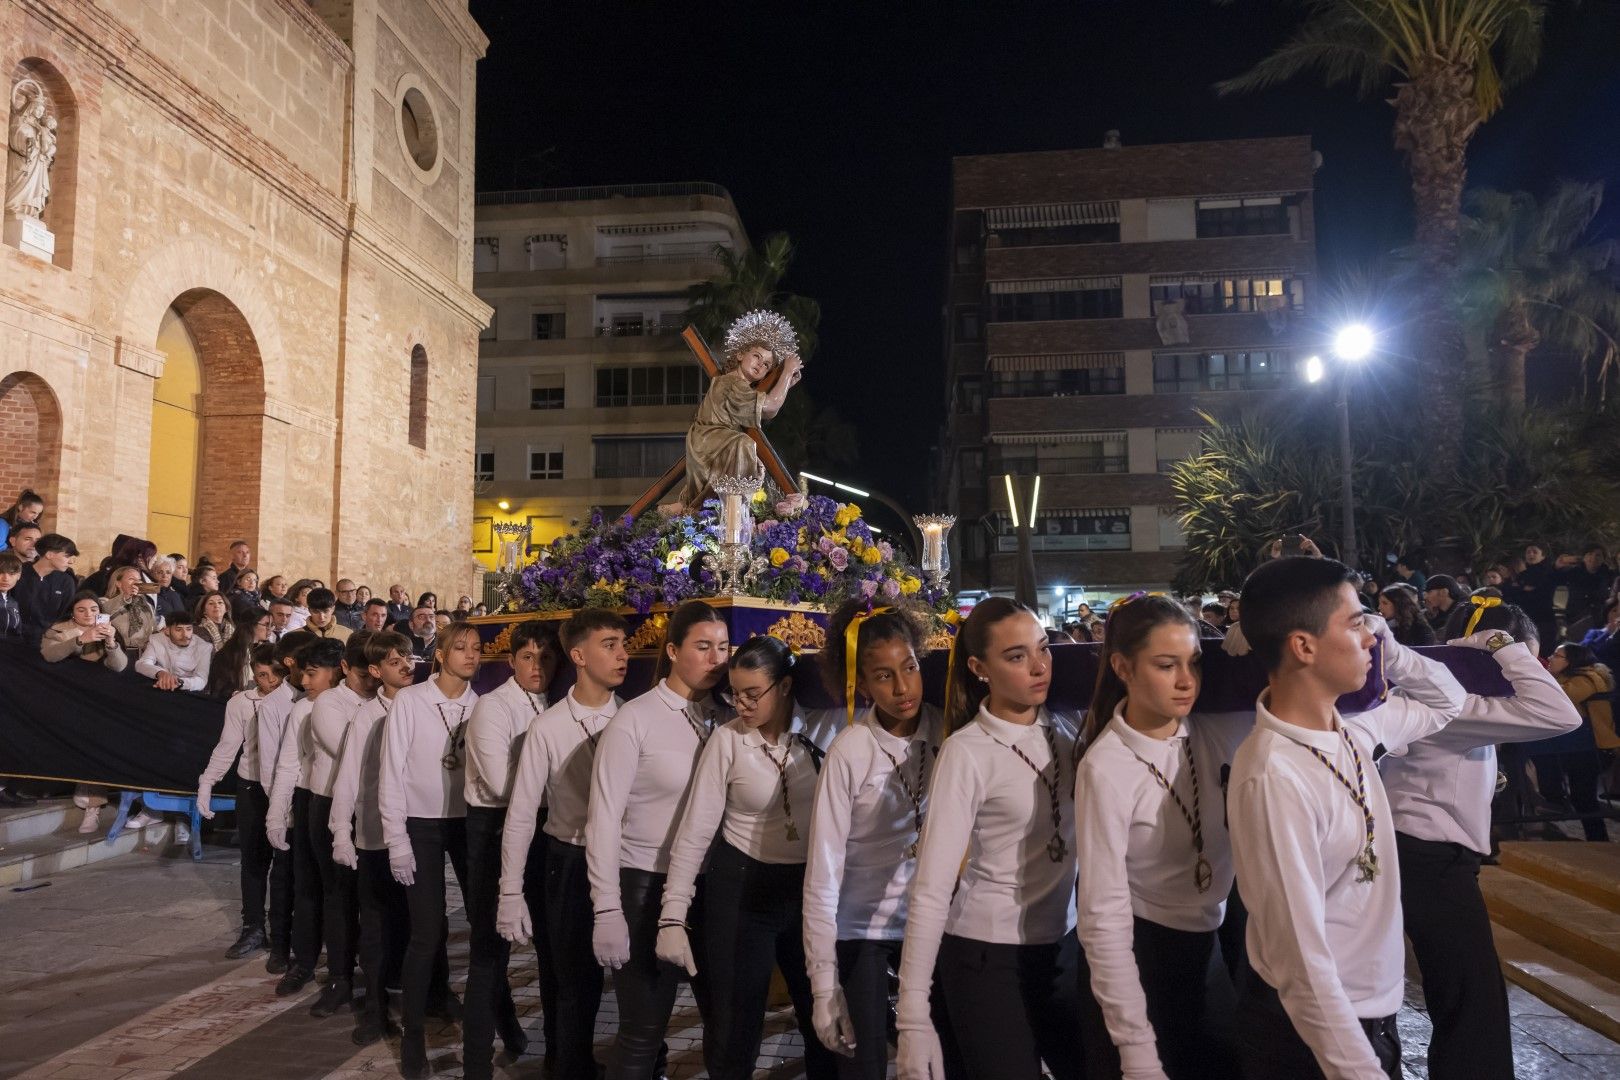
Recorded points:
32,146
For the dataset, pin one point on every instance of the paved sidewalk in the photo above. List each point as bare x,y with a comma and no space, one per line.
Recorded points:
115,972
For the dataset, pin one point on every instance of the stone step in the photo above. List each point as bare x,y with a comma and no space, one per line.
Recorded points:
1556,920
29,822
1589,871
1586,996
40,857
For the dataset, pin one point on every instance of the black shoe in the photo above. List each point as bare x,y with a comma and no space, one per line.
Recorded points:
296,979
276,962
372,1028
335,995
413,1062
10,799
512,1035
250,940
444,1006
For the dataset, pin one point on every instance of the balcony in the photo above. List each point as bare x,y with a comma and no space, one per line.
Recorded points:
693,258
659,327
600,191
1086,466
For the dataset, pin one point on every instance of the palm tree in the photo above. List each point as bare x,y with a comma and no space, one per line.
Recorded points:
1529,276
1450,62
748,280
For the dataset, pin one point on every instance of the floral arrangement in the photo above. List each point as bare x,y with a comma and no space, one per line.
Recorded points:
812,550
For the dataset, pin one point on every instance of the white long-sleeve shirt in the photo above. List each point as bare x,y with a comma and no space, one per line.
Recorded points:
354,790
292,763
270,725
1329,944
240,720
495,739
424,727
862,830
989,804
189,664
1137,857
737,792
645,758
1440,789
554,770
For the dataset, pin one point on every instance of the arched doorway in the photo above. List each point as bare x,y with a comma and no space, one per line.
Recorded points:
207,428
30,439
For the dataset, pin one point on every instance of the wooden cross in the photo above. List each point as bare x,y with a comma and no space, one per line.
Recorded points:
774,466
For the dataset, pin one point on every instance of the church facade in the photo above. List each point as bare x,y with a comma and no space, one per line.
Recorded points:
245,309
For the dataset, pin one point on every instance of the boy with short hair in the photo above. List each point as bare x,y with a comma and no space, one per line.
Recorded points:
1313,841
322,604
45,591
252,717
555,768
175,658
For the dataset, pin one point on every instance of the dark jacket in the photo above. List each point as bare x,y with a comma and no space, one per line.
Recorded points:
1418,634
169,600
398,613
349,615
44,601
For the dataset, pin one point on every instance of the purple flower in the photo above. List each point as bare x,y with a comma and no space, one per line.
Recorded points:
886,550
839,559
891,588
869,589
825,545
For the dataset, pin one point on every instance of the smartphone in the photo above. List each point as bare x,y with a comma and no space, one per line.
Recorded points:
147,588
103,620
1293,544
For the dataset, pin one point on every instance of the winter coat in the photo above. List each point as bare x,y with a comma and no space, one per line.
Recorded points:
1592,689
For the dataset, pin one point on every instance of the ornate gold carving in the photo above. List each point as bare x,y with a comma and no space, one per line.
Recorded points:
798,632
939,640
501,643
649,635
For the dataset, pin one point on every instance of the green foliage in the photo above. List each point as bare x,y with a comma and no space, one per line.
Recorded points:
1536,475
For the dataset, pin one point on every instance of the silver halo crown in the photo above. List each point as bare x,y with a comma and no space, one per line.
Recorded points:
760,327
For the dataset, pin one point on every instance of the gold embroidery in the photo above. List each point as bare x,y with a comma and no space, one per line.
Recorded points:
798,632
649,635
501,643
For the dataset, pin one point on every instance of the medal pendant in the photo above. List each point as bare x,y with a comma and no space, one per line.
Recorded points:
451,761
1056,849
1203,874
792,831
1367,864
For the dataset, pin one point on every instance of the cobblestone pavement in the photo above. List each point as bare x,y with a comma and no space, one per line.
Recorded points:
115,972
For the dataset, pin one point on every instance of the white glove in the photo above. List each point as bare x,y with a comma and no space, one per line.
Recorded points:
343,853
277,835
920,1056
674,947
830,1015
205,800
610,939
512,919
1484,640
1140,1061
402,864
1376,625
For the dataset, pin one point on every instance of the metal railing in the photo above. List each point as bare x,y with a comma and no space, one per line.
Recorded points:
1110,463
673,257
601,191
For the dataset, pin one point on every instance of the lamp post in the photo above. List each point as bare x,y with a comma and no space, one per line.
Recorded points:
1024,493
1351,344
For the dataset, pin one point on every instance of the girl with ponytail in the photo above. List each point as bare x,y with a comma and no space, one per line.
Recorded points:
1155,863
992,899
871,801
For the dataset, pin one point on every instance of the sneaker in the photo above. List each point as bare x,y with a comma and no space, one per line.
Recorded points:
141,820
249,941
182,833
92,819
296,979
276,962
333,997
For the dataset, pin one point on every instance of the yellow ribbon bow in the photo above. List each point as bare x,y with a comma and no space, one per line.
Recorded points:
852,634
1480,604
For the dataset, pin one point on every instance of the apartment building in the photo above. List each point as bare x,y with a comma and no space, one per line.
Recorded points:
585,389
1098,301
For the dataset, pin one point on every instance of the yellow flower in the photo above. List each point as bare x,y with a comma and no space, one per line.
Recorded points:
846,514
909,584
759,496
778,556
871,556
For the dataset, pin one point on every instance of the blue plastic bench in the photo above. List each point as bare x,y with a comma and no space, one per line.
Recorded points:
161,803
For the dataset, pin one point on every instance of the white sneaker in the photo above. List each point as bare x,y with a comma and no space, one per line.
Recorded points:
182,833
92,819
142,820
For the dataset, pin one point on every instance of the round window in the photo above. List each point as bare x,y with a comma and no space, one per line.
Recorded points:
418,130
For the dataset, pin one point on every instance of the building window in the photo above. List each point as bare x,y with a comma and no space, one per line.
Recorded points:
486,253
972,467
1071,530
681,384
1101,452
1171,535
1228,295
1106,232
1250,369
547,251
1103,303
1172,445
417,427
1064,383
546,390
969,397
484,463
969,240
486,393
548,326
1243,217
545,464
649,456
968,327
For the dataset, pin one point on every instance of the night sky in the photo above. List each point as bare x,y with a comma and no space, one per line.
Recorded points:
836,123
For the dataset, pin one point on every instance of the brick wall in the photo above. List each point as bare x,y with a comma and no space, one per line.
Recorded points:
30,439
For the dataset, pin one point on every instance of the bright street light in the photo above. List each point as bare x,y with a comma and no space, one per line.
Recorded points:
1353,342
1313,369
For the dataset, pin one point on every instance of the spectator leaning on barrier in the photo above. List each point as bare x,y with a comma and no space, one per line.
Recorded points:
46,589
175,658
89,636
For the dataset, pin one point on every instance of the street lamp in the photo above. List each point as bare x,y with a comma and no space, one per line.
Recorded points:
1023,525
1353,343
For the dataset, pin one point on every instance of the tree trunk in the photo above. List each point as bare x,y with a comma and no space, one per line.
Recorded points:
1515,338
1435,116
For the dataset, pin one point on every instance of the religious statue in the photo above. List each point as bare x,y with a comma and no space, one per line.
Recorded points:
718,442
32,145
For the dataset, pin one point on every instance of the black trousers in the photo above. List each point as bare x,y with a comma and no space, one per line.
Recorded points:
1174,967
489,993
863,973
1574,776
534,896
567,928
1271,1049
1013,1007
426,971
264,869
340,911
754,921
385,928
1450,932
306,882
645,987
